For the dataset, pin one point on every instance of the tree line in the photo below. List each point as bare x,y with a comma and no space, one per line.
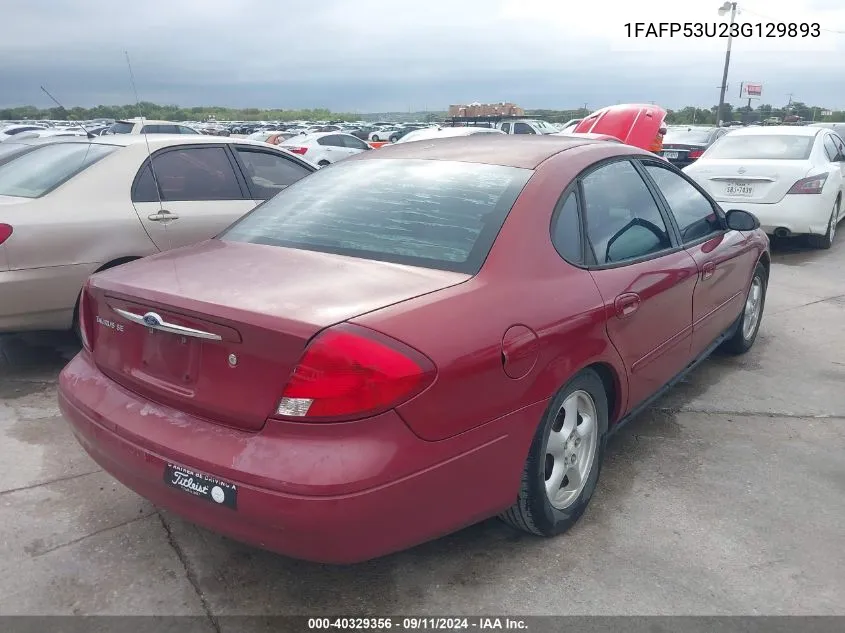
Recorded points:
683,116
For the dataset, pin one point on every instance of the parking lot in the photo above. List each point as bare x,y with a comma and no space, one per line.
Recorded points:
724,498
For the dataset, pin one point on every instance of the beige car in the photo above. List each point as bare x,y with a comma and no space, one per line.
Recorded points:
72,207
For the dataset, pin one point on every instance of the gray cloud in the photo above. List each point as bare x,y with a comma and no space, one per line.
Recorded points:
372,55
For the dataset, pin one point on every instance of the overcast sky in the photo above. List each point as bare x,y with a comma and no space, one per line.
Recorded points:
380,55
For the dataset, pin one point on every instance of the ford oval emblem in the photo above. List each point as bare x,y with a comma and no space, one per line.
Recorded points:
741,170
152,319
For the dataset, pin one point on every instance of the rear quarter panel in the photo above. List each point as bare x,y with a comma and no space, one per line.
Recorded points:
523,282
87,220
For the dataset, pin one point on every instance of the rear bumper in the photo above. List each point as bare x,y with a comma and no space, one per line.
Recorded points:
334,493
40,298
799,214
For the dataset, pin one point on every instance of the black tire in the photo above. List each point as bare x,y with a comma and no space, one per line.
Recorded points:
376,138
323,163
393,138
825,241
533,512
739,343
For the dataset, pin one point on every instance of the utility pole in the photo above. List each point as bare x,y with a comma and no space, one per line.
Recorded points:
722,10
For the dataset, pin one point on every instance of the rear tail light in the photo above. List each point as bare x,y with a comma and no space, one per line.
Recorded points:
297,150
696,153
5,232
813,184
84,316
349,372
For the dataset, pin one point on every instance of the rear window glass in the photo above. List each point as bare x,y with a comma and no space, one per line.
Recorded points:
42,170
435,214
766,147
686,136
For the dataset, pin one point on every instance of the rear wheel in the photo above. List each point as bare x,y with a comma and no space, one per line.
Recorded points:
752,314
376,138
826,241
393,138
565,459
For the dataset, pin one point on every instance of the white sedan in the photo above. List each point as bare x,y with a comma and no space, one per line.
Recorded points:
791,177
429,133
72,207
324,148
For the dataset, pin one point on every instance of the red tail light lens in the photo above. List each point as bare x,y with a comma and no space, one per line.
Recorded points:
84,316
813,184
297,150
696,153
5,232
350,372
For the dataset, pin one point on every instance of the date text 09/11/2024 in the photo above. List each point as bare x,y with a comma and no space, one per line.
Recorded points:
458,623
722,29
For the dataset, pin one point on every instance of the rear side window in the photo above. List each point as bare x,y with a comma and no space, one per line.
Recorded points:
269,173
566,230
121,128
38,172
195,173
830,148
435,214
184,129
522,128
764,147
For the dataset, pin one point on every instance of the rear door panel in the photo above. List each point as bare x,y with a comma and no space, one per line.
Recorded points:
201,192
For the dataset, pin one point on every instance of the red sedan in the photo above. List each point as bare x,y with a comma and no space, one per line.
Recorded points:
411,341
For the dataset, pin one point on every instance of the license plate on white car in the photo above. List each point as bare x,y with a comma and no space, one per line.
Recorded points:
671,155
739,190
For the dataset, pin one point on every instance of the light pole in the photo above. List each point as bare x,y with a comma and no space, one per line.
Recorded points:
728,6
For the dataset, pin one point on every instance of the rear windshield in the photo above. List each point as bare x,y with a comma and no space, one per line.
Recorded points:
686,136
435,214
765,147
40,171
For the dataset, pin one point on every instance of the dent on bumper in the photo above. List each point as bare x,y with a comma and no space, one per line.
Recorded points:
336,493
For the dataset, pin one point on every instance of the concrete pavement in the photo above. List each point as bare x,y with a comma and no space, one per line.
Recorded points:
724,498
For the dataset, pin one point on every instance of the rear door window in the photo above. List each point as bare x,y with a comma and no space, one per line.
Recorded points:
193,173
435,214
623,220
268,173
522,128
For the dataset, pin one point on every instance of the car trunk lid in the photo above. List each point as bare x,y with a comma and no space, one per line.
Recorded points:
633,124
229,321
759,182
682,152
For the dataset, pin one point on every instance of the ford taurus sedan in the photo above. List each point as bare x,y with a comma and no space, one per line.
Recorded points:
412,341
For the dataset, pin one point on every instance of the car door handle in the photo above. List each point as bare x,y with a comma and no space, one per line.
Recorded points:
626,304
707,270
162,216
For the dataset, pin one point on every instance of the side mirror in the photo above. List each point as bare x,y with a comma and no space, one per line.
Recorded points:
739,220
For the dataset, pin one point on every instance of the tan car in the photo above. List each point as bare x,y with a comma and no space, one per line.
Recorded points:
71,207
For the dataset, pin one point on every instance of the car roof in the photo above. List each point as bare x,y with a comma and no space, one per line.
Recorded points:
769,130
524,151
155,141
